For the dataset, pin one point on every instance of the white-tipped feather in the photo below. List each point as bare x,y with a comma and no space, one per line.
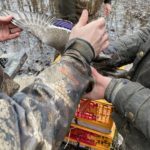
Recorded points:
29,18
41,26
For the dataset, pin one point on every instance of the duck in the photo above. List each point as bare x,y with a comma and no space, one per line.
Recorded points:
48,29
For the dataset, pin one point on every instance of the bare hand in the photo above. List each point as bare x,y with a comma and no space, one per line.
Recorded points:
107,9
7,29
101,83
93,32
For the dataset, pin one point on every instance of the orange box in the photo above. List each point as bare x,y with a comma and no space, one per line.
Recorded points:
90,138
95,115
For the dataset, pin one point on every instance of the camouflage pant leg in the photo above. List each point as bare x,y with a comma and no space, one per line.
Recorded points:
9,137
64,9
72,9
93,7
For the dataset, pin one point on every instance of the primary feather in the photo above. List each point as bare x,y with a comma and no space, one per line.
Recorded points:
52,31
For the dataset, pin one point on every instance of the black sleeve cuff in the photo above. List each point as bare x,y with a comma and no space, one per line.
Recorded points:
83,47
107,1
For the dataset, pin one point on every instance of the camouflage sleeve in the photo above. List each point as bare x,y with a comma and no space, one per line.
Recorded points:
132,101
123,51
39,116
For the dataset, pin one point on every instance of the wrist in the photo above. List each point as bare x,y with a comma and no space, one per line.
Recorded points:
105,82
81,46
101,85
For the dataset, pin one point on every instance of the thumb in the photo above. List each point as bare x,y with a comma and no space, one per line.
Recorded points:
83,18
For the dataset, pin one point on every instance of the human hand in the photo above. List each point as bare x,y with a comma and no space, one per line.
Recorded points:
100,85
7,29
107,9
93,32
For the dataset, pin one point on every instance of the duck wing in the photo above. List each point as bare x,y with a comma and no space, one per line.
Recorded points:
52,31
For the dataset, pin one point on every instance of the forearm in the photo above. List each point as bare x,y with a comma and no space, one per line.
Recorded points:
132,101
43,111
46,108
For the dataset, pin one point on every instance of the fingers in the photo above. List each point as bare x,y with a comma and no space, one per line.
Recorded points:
6,33
107,9
83,19
13,36
98,25
102,36
7,29
100,22
5,19
105,45
14,30
12,26
104,42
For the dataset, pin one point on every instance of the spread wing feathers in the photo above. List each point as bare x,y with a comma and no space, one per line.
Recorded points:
30,21
47,29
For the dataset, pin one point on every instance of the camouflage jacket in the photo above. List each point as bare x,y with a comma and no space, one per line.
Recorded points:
72,9
131,96
39,116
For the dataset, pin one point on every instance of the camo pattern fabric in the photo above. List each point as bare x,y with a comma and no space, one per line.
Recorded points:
38,117
9,131
7,85
72,9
